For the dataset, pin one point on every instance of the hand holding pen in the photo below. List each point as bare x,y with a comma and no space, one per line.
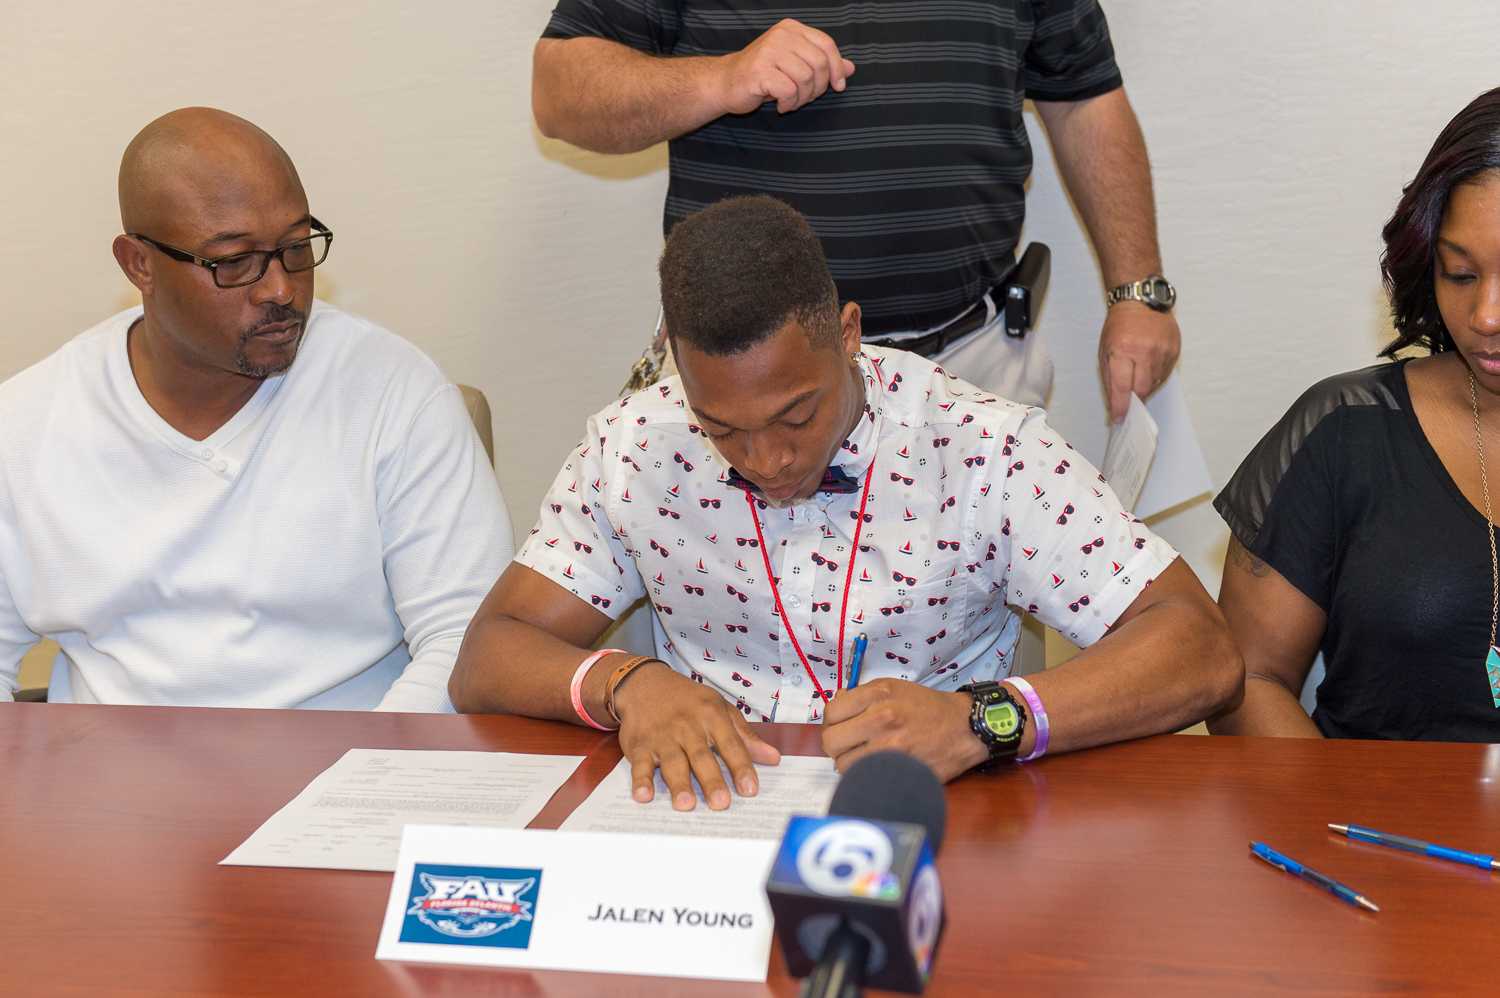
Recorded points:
860,643
887,712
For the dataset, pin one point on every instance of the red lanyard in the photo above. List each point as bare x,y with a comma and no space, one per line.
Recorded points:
791,632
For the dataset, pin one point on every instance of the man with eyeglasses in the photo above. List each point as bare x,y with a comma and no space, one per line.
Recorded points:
233,494
853,490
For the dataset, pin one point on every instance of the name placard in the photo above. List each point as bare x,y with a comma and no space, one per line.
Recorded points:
625,904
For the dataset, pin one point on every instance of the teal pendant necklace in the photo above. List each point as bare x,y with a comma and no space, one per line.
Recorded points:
1492,660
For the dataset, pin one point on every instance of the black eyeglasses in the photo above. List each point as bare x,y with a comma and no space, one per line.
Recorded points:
240,269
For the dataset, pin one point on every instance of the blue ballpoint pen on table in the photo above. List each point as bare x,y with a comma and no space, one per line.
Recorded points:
1362,834
1296,869
856,659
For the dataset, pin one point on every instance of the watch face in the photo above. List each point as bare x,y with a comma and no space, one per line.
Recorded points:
1002,719
1159,292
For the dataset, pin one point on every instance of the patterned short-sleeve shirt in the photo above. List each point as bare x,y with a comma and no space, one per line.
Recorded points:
977,511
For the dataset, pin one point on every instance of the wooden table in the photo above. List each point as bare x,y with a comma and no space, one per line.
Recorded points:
1120,871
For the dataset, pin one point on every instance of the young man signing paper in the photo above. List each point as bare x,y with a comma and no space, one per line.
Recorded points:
791,490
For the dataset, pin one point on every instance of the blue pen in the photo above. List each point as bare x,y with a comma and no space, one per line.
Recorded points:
1361,834
858,657
1296,869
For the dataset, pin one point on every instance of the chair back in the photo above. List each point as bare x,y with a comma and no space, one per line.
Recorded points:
479,411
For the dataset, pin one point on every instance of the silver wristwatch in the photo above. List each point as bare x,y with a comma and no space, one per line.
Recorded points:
1155,292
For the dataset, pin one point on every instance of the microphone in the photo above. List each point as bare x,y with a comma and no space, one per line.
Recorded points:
856,895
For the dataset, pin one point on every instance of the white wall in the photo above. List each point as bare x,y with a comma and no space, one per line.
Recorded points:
1280,131
525,270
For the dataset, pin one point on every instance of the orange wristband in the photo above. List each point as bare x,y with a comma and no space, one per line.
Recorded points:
622,671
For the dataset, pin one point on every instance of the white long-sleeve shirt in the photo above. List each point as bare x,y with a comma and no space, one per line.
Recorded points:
326,547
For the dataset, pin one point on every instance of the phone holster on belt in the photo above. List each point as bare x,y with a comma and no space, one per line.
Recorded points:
1025,288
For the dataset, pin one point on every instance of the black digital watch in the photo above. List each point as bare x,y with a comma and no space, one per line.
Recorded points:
997,719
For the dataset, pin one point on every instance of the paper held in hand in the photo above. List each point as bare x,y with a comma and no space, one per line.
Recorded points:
625,904
1178,472
1127,456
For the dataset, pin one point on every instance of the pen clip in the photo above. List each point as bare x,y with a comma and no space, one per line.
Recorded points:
1261,855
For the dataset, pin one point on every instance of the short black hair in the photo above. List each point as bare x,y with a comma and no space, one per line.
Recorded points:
1467,147
741,269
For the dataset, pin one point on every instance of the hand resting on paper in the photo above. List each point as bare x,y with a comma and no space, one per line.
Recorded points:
671,723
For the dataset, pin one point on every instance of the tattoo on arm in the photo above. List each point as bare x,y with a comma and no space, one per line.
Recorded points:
1240,557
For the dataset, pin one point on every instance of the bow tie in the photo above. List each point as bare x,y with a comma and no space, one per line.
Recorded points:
834,480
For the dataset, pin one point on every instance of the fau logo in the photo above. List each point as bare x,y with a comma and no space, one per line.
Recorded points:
484,906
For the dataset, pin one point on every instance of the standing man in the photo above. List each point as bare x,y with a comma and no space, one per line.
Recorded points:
792,490
897,131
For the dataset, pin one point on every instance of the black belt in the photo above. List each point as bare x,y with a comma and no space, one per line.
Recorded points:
935,342
1016,299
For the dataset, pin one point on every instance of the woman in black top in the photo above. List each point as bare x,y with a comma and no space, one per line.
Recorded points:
1362,521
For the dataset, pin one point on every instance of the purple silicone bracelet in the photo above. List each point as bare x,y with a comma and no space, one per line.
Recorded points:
1038,716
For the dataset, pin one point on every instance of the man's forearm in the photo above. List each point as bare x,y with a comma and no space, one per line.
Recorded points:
15,641
422,686
1268,708
607,97
1102,157
1169,667
10,671
509,667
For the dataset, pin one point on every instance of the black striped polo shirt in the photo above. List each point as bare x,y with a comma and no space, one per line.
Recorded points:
914,176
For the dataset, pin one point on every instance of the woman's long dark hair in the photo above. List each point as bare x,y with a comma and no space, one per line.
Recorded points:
1469,145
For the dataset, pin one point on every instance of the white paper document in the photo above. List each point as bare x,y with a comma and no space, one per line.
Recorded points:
799,785
1180,471
1127,456
619,904
351,815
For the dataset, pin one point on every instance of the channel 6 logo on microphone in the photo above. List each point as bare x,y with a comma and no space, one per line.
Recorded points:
839,857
